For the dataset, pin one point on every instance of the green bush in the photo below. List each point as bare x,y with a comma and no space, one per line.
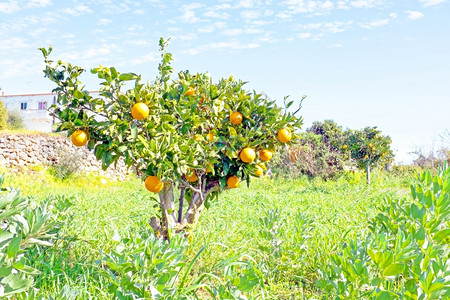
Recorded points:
317,155
3,116
405,252
23,225
69,164
15,120
143,266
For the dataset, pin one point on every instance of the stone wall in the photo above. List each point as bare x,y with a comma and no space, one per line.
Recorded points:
20,150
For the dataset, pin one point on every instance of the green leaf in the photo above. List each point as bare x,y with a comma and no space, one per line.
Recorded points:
14,246
441,235
394,269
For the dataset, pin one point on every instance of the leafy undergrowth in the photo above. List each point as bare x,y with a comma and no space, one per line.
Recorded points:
274,234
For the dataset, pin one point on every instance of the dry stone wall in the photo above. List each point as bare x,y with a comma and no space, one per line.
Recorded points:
19,150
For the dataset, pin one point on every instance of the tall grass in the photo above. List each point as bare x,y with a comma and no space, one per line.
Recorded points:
304,220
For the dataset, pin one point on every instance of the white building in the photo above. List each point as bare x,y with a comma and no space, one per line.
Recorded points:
32,109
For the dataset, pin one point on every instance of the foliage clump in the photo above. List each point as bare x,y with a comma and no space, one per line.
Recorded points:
15,120
3,116
24,225
405,252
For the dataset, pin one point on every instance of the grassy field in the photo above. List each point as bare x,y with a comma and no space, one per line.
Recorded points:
305,221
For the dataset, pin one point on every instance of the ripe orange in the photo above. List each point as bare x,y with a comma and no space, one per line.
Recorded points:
233,182
370,145
373,148
265,154
153,184
247,155
79,138
366,156
236,118
259,171
192,178
209,167
210,136
284,135
140,111
190,92
344,147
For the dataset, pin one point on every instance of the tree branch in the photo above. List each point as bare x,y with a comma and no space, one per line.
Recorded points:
180,207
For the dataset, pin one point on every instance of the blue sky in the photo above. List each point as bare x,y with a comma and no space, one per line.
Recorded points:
361,63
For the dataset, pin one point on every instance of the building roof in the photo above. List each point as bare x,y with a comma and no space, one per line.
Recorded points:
39,94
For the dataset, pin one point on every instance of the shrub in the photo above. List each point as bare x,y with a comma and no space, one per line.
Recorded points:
3,116
24,225
404,254
15,120
69,163
143,266
313,157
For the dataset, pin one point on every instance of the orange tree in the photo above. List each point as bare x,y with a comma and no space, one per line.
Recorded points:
368,147
188,133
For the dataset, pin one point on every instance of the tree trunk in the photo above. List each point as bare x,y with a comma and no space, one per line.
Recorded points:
170,222
368,172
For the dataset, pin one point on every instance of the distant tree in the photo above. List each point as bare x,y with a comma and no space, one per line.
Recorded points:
3,116
369,148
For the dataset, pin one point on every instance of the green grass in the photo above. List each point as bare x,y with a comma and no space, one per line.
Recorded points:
337,211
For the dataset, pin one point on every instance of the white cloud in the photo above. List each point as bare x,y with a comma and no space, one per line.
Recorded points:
330,27
13,43
189,13
414,15
232,32
78,10
376,23
151,57
246,3
9,7
393,15
233,45
431,2
104,21
250,14
39,3
365,3
311,6
216,15
139,12
185,37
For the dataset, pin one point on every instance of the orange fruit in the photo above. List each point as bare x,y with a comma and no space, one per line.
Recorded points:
192,178
236,118
366,156
153,184
139,111
373,148
79,138
233,182
259,171
284,135
209,167
265,154
370,145
247,155
190,92
344,147
210,136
